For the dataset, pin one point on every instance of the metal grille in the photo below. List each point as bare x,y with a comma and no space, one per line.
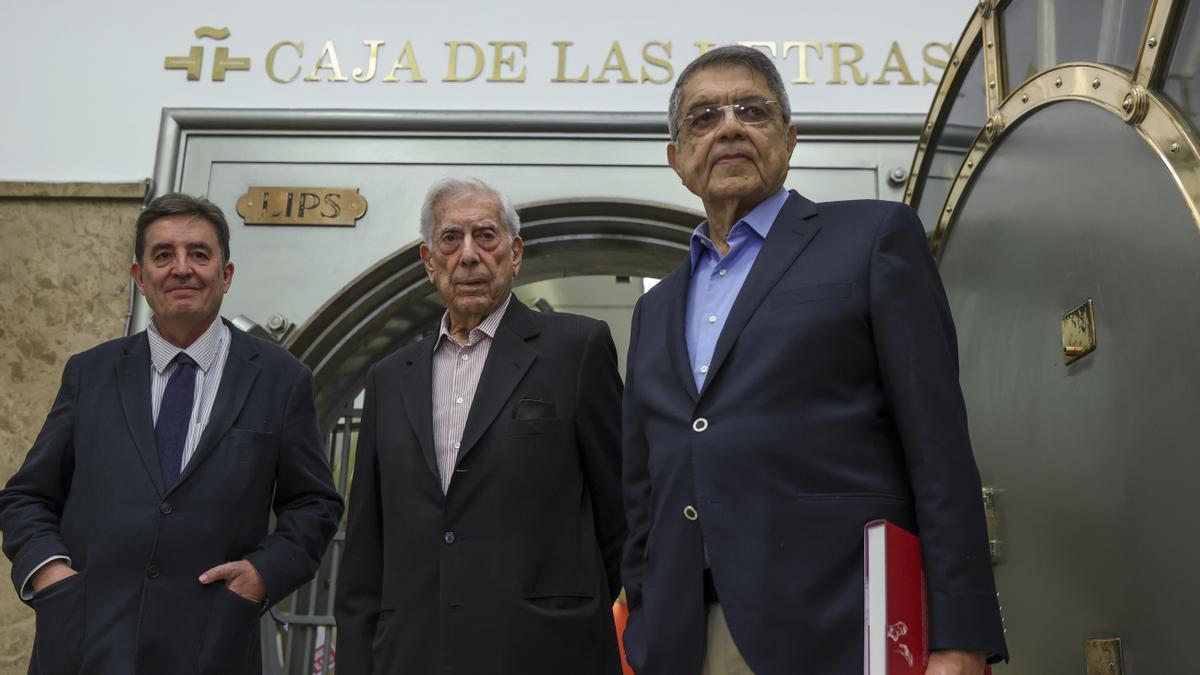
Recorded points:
299,635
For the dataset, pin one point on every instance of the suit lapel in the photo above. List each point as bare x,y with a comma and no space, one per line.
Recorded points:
417,391
790,234
676,286
508,360
236,379
133,381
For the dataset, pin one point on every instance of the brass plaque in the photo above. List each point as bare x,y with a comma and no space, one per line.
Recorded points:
339,207
1103,656
1078,333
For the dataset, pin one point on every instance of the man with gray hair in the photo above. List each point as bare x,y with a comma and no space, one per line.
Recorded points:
795,378
485,514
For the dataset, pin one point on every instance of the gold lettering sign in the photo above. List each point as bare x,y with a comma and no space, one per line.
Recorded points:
285,62
301,206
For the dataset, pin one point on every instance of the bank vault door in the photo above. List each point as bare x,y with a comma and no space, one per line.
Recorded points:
1068,240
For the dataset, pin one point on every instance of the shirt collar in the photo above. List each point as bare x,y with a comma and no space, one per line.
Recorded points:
203,350
759,221
486,327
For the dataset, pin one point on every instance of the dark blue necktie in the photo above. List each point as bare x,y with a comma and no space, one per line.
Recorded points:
174,417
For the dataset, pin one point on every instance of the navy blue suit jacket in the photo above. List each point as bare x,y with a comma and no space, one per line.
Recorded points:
832,399
91,489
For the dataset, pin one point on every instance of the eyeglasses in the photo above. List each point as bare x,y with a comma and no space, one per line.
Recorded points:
753,113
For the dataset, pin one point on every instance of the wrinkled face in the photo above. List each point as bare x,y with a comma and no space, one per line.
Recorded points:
181,272
733,161
469,257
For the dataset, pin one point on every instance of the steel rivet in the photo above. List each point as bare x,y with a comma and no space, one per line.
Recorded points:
955,62
970,164
1058,82
992,84
1174,147
1096,83
949,209
1153,42
1127,104
1024,98
990,44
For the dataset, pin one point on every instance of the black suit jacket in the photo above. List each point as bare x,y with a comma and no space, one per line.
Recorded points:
91,489
831,399
515,568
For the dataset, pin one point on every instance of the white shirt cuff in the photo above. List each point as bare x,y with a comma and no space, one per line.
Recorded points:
26,592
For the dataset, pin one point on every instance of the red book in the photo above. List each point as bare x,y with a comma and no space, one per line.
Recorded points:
896,641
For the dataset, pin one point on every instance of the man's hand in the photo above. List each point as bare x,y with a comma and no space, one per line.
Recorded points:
956,662
51,573
240,577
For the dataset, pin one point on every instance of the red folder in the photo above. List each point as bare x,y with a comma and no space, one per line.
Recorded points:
895,635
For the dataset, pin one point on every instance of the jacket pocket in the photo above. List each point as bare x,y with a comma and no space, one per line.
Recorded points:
851,496
534,427
230,641
59,620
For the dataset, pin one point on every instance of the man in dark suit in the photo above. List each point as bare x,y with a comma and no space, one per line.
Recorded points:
792,380
485,524
138,524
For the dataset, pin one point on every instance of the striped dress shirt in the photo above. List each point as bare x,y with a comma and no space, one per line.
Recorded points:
209,351
456,371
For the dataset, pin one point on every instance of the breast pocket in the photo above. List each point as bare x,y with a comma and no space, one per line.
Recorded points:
794,296
534,427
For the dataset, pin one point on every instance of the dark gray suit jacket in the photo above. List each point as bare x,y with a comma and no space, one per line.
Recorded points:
91,489
515,569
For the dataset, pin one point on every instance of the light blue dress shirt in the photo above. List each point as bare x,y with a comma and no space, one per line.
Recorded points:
716,280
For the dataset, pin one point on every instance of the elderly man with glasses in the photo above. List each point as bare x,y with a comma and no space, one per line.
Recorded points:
795,378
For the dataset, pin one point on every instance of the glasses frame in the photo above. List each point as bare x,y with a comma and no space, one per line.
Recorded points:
689,120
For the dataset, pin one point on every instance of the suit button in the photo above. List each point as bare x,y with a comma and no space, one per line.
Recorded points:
699,425
689,512
448,537
165,508
152,571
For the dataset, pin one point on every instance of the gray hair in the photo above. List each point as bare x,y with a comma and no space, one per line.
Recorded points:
454,186
729,56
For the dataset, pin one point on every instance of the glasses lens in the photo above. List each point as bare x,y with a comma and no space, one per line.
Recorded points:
705,119
753,112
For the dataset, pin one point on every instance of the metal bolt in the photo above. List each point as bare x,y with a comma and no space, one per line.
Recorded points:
1127,104
955,62
1153,41
897,175
992,84
1096,83
949,209
990,45
970,164
1174,147
1058,82
276,322
1024,98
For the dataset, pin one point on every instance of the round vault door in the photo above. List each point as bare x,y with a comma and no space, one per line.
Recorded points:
1067,238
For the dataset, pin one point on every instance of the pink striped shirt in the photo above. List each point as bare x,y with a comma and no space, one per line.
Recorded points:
456,371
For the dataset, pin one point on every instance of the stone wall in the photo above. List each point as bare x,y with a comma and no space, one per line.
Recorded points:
65,250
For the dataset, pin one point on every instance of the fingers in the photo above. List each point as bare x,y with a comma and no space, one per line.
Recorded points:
224,571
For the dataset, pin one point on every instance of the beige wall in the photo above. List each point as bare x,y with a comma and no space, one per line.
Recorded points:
64,287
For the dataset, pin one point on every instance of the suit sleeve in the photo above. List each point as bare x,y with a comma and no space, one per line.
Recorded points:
32,503
635,478
917,350
359,589
598,435
307,506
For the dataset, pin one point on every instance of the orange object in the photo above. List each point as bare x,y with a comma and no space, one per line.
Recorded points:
620,618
